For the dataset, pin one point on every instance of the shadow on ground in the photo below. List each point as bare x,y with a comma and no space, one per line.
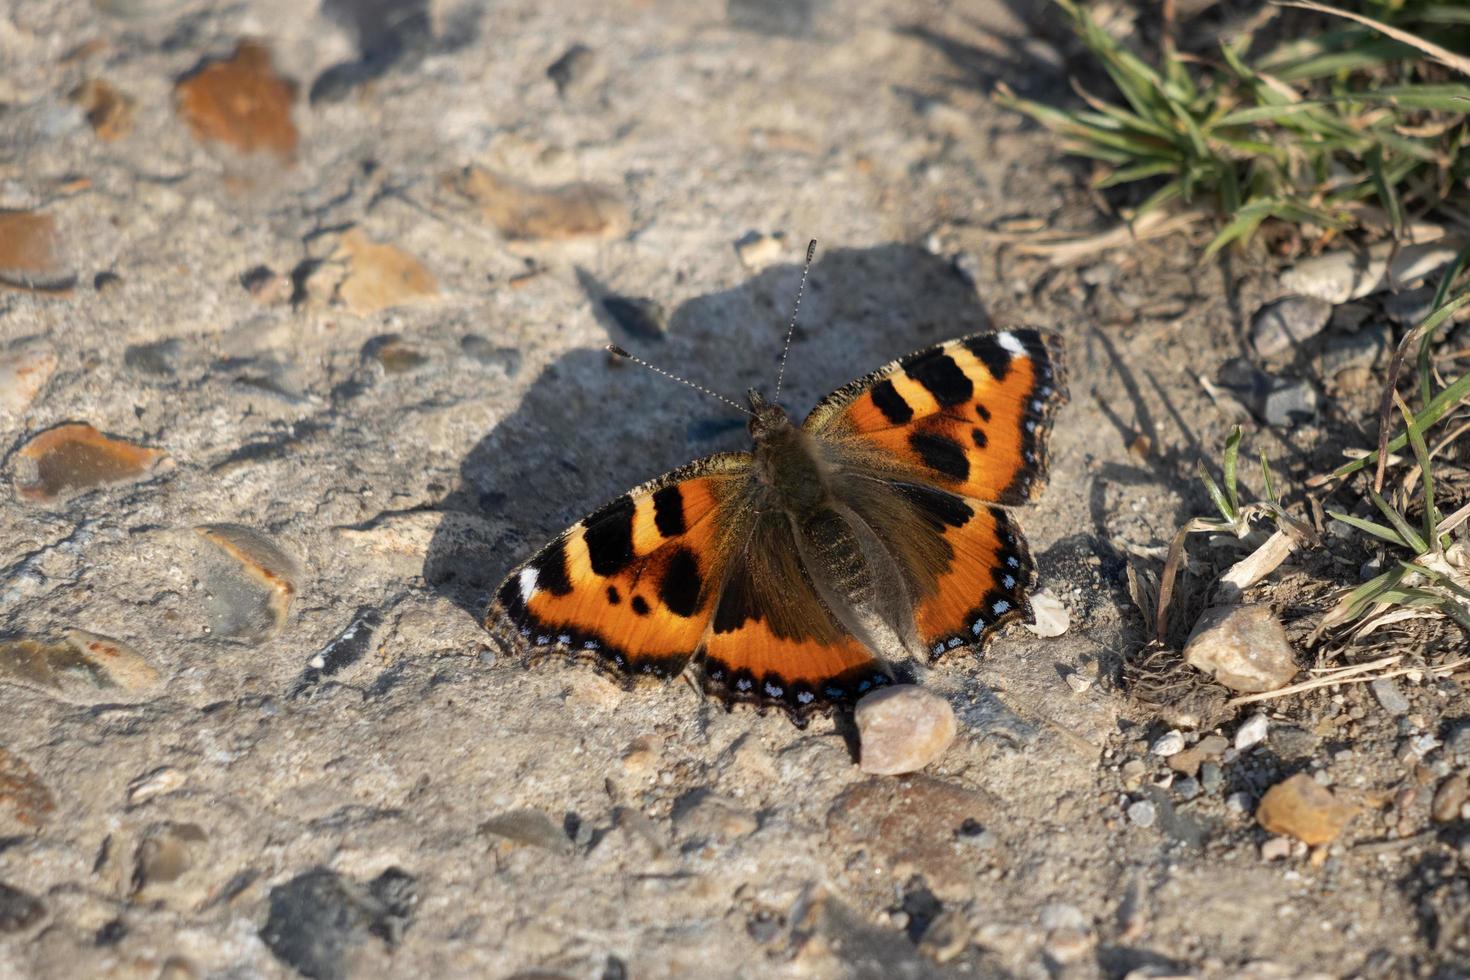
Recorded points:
590,427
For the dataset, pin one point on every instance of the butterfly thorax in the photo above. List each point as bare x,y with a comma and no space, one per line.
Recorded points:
786,461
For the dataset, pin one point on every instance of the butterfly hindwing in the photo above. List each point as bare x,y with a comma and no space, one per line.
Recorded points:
972,415
773,642
631,587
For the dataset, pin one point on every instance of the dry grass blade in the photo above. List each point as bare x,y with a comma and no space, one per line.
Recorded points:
1444,56
1155,224
1357,674
1261,562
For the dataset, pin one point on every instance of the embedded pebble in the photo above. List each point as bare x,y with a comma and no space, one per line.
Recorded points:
1450,798
1242,647
1169,743
902,729
946,937
1211,777
74,457
1143,813
1276,849
377,276
318,917
1238,802
1253,732
394,354
108,111
159,782
249,582
240,102
1284,323
85,667
29,246
530,828
1078,683
25,802
482,351
1304,809
166,854
160,359
575,72
1389,696
1290,742
521,211
758,250
1187,787
24,371
702,815
19,910
1048,616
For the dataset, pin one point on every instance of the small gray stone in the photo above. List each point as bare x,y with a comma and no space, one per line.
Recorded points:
1410,306
1290,742
1142,813
1187,787
530,827
1362,349
573,71
1243,647
1388,695
318,916
1457,743
1284,323
481,351
19,910
159,359
1275,400
1211,777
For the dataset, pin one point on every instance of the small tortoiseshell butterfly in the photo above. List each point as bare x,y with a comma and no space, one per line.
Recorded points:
793,574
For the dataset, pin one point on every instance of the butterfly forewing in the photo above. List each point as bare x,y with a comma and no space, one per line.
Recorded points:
632,587
971,415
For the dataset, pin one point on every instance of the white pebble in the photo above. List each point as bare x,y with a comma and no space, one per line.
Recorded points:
902,729
1142,813
1253,732
1169,743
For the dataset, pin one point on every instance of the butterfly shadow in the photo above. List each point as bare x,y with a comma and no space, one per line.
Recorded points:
591,426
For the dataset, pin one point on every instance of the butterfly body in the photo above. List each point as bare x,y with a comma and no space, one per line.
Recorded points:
797,574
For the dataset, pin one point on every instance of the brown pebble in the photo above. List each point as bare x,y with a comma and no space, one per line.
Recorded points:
1449,798
73,457
251,596
379,276
25,802
240,102
1304,809
902,729
109,111
520,211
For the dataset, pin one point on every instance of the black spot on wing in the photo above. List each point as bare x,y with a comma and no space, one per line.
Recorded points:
681,584
988,351
941,508
613,596
941,454
668,511
551,569
980,441
891,403
982,412
609,536
640,605
943,379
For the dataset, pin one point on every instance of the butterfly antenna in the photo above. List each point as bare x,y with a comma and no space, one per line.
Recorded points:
615,349
811,249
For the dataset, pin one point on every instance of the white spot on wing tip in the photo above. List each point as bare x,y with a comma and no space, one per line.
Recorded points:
528,583
1011,342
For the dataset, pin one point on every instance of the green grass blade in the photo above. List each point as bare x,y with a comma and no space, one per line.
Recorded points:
1421,454
1387,196
1400,524
1270,483
1229,464
1369,527
1141,171
1221,504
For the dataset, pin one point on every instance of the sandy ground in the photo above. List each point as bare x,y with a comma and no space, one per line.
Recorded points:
256,798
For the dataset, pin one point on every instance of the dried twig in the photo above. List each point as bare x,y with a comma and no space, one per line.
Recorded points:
1349,675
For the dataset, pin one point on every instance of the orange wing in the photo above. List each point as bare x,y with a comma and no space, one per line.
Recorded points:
972,415
774,643
633,586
